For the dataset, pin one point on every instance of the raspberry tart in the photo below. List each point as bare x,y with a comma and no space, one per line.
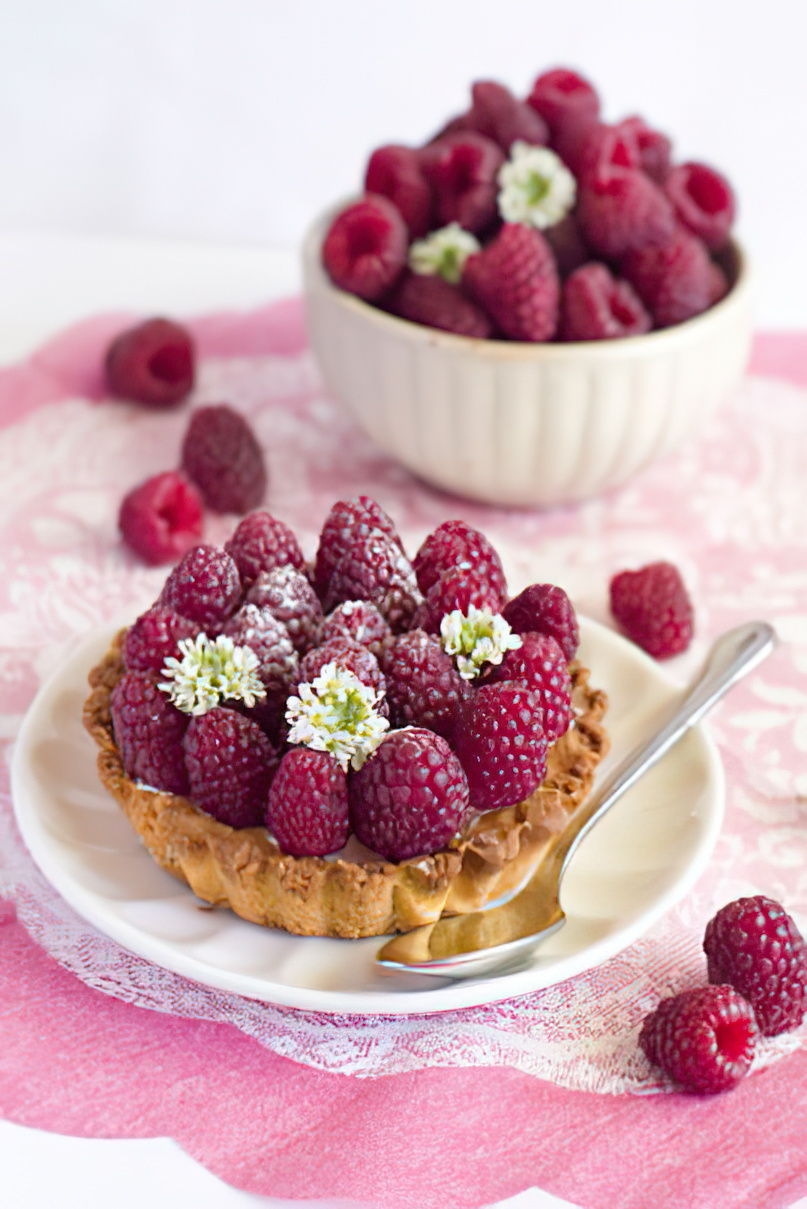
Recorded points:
355,749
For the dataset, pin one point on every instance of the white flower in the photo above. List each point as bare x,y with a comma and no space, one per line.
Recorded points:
443,252
536,187
475,638
209,672
335,712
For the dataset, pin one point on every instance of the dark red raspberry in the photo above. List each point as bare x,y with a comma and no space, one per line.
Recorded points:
221,454
148,732
152,363
230,766
262,543
539,664
703,1039
155,637
462,169
410,797
456,125
604,148
675,280
501,742
515,279
754,945
347,519
365,247
623,209
718,283
505,119
277,660
563,96
204,587
457,588
434,302
361,622
424,687
457,544
595,305
567,244
373,567
653,608
161,518
570,140
347,654
545,609
703,200
396,172
289,597
654,148
307,811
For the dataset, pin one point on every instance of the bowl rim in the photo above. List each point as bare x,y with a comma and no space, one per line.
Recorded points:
644,345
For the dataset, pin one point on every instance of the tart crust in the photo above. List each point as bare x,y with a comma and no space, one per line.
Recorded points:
313,896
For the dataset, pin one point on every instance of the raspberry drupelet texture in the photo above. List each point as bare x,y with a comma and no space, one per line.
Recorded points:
154,637
410,797
221,455
287,594
361,622
539,664
424,687
595,305
270,641
307,810
704,1039
348,654
230,765
373,567
703,200
515,279
153,363
148,732
457,588
622,209
204,587
162,518
652,606
545,609
462,169
261,543
396,172
754,945
502,117
365,247
347,519
501,742
432,301
456,544
563,96
674,279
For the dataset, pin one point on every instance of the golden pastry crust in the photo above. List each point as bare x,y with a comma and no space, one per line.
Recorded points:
246,871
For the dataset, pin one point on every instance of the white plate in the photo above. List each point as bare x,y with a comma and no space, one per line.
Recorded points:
633,867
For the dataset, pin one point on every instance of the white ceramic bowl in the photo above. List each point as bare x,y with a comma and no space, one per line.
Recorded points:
523,424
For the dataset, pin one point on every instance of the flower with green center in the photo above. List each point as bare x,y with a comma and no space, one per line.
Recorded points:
337,713
476,638
535,187
209,672
443,253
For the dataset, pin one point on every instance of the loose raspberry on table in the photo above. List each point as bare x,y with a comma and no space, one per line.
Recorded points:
365,247
278,664
703,200
456,589
545,609
704,1039
410,797
462,170
623,209
434,302
348,654
654,148
595,305
373,567
562,96
502,117
148,732
307,810
396,172
539,664
424,687
261,542
653,608
162,518
347,519
456,544
287,594
221,454
153,363
154,637
501,742
230,765
675,279
754,945
204,586
361,622
515,279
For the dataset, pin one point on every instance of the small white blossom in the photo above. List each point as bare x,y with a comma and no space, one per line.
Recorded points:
209,672
536,187
476,638
337,713
443,252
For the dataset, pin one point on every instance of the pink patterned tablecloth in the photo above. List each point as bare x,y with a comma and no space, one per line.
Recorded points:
473,1106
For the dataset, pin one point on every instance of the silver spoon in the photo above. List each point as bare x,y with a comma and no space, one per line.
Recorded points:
502,938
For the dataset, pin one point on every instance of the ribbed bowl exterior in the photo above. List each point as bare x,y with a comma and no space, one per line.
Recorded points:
516,424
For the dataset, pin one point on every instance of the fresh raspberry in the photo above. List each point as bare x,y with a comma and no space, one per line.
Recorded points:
654,148
604,148
262,543
623,209
718,283
347,519
395,172
500,116
221,454
350,655
515,279
653,608
424,687
456,125
562,96
277,660
457,588
703,200
434,302
365,247
307,810
411,797
148,732
567,244
539,664
595,305
155,637
703,1039
545,609
204,587
462,169
152,363
230,766
457,544
501,742
754,945
361,622
570,140
289,597
161,518
374,568
675,280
